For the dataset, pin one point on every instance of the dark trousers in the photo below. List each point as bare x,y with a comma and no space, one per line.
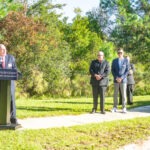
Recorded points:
99,90
13,104
130,89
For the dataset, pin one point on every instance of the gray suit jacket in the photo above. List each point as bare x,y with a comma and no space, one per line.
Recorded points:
130,77
102,69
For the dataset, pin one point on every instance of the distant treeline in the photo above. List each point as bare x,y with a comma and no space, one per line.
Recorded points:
54,56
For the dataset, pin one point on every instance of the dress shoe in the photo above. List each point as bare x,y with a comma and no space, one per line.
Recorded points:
13,121
130,103
103,112
93,111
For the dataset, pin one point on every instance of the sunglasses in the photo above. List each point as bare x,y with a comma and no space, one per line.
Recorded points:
119,52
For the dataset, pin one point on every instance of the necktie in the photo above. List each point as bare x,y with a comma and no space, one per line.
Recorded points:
3,62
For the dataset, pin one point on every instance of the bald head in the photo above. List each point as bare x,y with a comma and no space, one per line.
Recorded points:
100,56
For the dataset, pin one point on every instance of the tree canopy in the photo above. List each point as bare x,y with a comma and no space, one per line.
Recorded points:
54,56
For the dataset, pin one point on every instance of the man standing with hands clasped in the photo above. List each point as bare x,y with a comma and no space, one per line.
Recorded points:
99,70
120,68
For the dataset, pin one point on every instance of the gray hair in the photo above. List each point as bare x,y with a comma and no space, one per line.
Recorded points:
2,46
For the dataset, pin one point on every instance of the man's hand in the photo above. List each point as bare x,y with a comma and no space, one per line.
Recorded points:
119,80
98,77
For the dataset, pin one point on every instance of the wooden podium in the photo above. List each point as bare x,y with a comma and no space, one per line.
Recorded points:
6,75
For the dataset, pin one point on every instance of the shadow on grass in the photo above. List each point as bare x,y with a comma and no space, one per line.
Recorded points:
62,102
141,106
140,103
42,109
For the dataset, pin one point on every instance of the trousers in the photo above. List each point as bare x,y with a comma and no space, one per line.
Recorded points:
13,104
99,90
122,87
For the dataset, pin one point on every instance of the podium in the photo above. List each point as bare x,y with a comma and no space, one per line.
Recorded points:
6,75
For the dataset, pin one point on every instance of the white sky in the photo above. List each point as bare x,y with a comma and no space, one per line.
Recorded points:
84,5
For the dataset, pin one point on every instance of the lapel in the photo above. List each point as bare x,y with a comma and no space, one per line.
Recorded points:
6,61
117,63
102,64
102,67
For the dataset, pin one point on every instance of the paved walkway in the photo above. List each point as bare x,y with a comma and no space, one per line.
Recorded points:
70,120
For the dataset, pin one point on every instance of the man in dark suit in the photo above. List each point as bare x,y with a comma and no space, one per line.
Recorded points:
120,67
8,62
130,84
99,70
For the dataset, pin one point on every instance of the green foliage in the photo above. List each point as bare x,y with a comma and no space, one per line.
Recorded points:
43,50
55,56
36,82
126,24
7,6
129,27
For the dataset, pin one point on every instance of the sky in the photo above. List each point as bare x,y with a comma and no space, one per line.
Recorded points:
84,5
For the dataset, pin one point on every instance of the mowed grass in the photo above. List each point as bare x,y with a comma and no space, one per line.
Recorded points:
100,136
27,108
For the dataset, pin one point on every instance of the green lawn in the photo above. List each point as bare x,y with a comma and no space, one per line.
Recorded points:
102,136
53,107
99,136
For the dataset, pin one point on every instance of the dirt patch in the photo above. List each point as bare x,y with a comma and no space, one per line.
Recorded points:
139,145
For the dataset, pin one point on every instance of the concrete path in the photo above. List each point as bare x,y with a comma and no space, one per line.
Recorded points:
70,120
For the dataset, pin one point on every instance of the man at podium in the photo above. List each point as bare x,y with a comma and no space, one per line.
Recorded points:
8,62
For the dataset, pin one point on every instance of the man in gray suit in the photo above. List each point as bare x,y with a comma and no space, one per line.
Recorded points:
8,62
99,70
120,68
130,82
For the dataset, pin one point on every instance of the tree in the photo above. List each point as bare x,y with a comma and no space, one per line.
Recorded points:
130,29
7,6
41,53
84,45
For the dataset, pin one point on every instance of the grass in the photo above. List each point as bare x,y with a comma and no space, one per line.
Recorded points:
73,106
101,136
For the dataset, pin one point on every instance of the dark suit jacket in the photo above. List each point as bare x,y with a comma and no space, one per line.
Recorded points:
121,73
102,69
10,64
130,77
